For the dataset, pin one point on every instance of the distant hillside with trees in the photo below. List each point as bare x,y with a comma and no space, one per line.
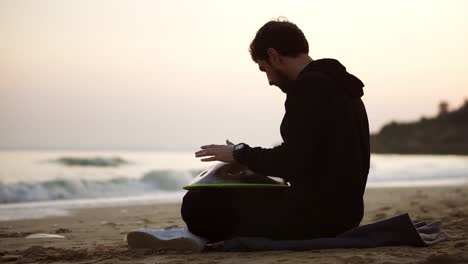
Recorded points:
447,133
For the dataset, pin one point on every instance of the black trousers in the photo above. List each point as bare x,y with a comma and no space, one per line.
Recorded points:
221,214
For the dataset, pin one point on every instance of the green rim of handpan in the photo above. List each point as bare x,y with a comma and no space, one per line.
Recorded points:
233,185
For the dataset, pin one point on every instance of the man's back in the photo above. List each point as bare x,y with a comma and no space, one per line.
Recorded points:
327,129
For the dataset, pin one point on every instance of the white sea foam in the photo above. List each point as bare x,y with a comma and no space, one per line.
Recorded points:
75,188
40,209
417,170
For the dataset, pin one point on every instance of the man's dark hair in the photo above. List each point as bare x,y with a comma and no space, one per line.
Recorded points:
280,34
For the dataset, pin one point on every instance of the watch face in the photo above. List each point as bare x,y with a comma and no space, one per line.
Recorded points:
237,147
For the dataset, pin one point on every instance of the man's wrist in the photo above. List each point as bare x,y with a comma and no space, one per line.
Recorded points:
239,152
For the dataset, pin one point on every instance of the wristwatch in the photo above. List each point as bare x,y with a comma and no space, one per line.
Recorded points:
238,151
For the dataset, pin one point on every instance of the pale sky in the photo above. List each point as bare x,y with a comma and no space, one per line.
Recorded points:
177,74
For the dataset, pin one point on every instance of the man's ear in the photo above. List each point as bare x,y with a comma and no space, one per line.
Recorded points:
274,57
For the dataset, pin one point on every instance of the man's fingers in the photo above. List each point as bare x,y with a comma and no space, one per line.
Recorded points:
200,151
208,146
210,159
203,153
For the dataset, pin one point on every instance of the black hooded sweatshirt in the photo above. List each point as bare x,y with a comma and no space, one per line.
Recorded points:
325,151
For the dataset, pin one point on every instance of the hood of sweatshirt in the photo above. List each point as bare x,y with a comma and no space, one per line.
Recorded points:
332,68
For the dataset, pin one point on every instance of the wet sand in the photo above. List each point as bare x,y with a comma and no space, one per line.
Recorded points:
96,235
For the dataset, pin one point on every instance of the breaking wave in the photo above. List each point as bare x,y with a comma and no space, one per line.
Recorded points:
66,188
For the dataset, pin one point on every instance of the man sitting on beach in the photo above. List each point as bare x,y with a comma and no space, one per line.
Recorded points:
324,155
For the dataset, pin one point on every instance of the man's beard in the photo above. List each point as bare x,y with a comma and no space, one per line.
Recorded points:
282,81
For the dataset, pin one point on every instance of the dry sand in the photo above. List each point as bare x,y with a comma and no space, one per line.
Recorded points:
97,235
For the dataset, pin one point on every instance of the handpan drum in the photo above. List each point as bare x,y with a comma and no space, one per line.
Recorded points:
231,175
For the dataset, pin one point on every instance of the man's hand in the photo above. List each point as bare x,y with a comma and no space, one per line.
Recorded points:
217,152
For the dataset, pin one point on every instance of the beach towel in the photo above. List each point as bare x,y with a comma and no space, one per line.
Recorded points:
396,231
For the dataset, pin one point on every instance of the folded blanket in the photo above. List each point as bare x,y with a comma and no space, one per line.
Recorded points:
395,231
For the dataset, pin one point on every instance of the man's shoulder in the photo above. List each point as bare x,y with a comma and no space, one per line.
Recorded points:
314,78
311,82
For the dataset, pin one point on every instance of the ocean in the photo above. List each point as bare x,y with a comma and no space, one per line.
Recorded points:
35,184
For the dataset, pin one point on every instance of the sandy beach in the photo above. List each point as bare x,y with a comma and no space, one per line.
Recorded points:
96,235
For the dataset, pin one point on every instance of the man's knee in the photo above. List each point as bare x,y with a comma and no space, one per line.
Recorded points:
190,202
207,214
206,205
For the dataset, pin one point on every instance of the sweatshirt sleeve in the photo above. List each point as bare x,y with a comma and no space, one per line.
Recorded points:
306,111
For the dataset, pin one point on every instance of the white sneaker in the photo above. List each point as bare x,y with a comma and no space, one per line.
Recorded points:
172,238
